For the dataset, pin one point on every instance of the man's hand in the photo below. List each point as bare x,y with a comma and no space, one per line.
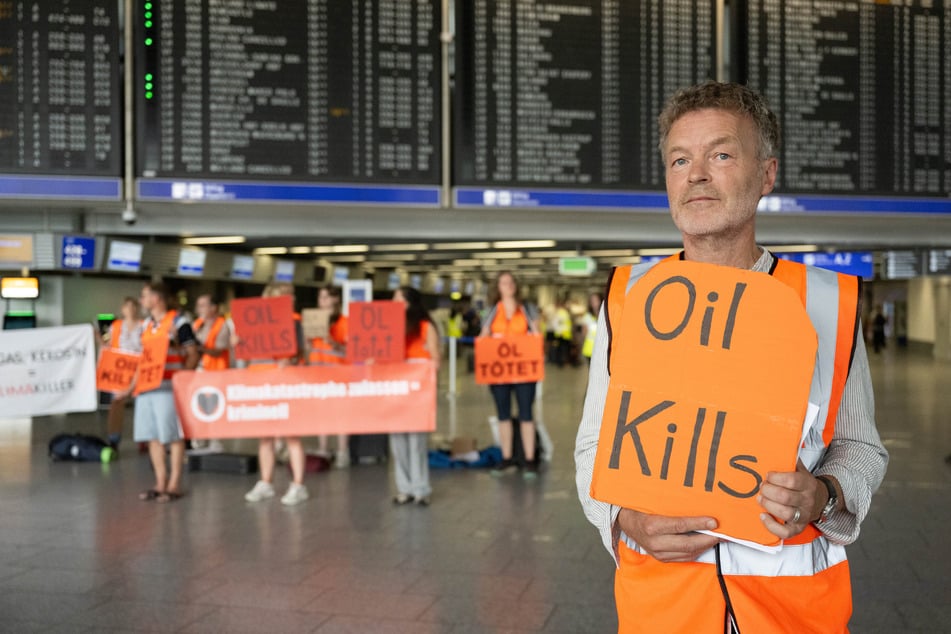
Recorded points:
796,498
668,539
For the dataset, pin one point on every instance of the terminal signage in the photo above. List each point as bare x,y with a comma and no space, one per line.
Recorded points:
79,253
858,263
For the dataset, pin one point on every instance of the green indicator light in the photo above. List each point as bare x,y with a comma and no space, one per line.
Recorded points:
148,24
148,77
148,5
148,41
148,95
148,15
148,86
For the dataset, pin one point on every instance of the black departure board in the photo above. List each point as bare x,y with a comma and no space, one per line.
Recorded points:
60,100
309,91
566,94
863,91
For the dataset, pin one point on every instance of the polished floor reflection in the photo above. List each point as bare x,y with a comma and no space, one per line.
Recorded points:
80,553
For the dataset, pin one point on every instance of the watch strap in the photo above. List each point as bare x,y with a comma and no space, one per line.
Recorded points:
832,502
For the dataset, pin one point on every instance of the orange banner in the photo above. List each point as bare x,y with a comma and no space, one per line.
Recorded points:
308,400
116,370
265,327
510,359
377,331
709,394
151,364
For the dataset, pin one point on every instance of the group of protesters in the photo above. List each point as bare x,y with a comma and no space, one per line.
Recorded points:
207,343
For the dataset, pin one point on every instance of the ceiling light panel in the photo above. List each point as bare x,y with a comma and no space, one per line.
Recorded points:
215,240
524,244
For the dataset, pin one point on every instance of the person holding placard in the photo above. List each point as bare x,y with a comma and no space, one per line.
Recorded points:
719,144
168,345
124,334
509,316
267,457
331,349
213,332
410,451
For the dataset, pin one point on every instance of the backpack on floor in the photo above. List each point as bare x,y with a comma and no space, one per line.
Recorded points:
79,447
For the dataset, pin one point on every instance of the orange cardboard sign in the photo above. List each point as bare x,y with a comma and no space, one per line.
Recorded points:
709,394
377,331
151,364
265,327
308,400
116,370
509,359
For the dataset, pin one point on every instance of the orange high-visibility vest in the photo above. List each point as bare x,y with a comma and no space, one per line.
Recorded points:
174,361
517,325
115,332
209,362
416,347
803,588
323,351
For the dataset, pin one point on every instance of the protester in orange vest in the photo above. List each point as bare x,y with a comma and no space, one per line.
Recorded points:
410,451
267,456
509,316
156,420
123,334
332,350
719,144
213,332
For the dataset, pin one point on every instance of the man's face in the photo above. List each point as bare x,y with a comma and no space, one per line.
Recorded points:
715,177
203,307
147,299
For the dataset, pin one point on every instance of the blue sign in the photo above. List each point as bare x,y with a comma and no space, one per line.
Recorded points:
53,187
242,267
230,191
79,253
859,263
284,271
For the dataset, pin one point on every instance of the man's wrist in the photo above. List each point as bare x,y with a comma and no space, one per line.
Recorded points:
831,502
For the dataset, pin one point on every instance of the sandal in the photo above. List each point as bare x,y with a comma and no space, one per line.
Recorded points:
148,496
168,496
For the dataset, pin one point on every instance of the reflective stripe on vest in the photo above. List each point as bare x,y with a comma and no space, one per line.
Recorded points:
209,362
323,351
174,361
831,301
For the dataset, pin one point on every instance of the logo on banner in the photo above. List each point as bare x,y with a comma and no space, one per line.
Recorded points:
208,404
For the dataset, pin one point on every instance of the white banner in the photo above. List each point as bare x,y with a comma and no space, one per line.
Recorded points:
47,371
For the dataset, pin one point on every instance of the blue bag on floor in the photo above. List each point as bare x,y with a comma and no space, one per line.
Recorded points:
488,457
80,448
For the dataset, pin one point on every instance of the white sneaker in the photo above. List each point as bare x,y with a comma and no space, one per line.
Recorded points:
342,459
261,491
296,493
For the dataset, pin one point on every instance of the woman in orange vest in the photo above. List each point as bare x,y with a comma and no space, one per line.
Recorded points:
410,450
264,488
124,334
332,350
509,316
213,334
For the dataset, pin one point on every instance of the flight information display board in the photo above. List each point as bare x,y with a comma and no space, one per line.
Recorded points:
564,97
863,91
269,100
60,116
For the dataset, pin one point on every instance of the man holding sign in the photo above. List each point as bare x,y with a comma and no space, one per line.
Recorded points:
727,451
168,345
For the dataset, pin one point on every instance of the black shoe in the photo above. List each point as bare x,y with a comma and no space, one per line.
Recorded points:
503,467
403,498
531,471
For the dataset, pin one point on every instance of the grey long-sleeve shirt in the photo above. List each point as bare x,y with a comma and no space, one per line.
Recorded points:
855,456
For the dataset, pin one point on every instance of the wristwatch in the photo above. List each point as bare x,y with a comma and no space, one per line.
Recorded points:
831,504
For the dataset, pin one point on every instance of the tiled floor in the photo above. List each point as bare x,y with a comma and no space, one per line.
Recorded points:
80,553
